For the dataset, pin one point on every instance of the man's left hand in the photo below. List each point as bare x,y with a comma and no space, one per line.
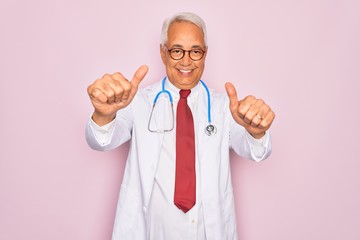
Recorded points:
251,113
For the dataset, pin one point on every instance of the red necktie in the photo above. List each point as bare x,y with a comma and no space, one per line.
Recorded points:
185,179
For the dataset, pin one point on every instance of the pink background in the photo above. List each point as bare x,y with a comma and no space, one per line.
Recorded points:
302,57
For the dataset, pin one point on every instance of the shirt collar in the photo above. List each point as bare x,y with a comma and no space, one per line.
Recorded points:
175,91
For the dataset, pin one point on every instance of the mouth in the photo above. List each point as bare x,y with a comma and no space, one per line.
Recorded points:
185,71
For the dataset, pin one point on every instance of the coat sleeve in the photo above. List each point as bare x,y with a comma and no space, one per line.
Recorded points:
113,134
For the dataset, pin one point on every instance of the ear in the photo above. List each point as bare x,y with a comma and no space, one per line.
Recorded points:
162,53
206,51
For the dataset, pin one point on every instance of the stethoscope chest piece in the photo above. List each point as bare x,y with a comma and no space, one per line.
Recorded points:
210,130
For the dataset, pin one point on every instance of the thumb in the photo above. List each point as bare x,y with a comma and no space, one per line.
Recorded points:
139,75
231,92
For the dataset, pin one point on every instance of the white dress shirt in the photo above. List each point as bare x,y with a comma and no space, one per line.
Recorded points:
166,221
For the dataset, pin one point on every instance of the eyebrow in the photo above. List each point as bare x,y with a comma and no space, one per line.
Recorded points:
192,47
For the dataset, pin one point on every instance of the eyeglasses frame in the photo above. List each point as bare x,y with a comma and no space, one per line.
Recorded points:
184,52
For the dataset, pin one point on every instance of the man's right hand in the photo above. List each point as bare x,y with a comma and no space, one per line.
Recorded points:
112,93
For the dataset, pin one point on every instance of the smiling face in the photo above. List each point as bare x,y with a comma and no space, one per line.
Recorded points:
184,73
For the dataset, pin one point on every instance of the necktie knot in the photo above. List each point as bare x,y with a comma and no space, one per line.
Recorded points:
184,93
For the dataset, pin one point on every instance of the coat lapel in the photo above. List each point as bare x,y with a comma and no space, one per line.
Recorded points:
202,114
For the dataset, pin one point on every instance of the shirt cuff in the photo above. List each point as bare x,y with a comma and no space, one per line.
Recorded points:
258,146
102,133
256,140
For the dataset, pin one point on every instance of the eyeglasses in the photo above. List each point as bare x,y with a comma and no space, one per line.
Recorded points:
178,53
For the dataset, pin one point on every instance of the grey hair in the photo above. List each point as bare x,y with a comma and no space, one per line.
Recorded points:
182,17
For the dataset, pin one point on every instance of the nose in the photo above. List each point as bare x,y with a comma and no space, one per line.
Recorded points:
186,60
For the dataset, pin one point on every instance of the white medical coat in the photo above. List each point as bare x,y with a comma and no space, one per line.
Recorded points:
212,154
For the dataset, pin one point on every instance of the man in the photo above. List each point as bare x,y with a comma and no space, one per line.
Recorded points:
150,204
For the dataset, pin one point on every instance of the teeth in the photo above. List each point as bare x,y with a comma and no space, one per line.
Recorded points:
185,71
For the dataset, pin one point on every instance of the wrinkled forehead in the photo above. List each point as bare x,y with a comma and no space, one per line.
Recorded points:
184,21
185,33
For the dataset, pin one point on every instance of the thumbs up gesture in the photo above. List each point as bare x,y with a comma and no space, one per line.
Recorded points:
251,113
112,93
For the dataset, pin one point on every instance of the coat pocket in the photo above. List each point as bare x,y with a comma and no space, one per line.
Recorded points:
229,215
129,221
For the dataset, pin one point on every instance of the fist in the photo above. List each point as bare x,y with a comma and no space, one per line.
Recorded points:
251,113
112,93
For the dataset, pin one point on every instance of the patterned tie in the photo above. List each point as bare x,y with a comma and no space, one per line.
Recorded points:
185,179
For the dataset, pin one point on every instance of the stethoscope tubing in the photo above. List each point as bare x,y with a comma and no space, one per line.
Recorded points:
210,129
163,90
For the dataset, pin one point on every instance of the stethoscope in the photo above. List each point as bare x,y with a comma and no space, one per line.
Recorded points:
210,129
